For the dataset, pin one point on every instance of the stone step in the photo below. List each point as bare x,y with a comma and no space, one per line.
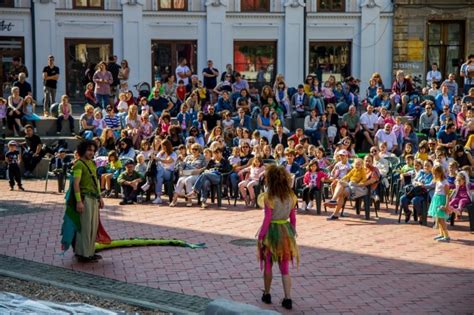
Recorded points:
72,142
47,127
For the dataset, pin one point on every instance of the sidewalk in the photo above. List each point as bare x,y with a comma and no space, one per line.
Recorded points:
351,265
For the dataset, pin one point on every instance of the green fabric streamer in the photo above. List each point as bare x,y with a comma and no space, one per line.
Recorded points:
132,242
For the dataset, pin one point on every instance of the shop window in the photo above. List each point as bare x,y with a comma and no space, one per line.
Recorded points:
82,54
256,61
255,6
177,5
331,5
7,3
10,47
330,58
88,4
167,54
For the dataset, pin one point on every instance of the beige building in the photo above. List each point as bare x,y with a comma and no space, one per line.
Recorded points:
428,31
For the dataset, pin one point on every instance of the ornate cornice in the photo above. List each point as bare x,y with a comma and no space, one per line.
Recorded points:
247,15
216,3
174,14
132,2
69,12
294,3
19,11
352,15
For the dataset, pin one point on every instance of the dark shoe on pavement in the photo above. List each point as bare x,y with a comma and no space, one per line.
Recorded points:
407,216
123,202
97,257
267,298
332,217
86,260
287,303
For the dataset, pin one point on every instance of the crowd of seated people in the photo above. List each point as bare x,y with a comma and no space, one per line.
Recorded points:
189,136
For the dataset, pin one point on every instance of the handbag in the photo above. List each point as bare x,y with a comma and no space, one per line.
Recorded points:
413,191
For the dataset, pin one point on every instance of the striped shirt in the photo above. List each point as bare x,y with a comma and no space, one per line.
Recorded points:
112,122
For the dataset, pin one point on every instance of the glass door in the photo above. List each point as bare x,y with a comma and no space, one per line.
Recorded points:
330,58
80,55
166,55
9,47
446,47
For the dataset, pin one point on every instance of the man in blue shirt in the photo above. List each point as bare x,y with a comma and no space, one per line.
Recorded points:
447,137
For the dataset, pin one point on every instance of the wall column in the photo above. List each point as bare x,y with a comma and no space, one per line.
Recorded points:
215,22
293,43
369,38
135,50
45,29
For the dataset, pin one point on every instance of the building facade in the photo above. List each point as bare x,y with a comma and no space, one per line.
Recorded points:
260,38
432,31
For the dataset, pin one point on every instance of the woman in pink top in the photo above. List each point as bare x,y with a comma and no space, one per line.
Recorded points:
102,79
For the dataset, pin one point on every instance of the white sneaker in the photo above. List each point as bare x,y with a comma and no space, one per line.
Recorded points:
146,186
312,204
305,206
157,201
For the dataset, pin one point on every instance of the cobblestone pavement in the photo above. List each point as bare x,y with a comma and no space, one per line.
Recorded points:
351,265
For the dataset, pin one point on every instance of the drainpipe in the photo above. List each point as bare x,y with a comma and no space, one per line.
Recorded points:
33,37
305,44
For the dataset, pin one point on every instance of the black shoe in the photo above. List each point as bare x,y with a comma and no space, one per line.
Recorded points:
267,298
97,257
332,217
21,188
287,303
123,202
83,259
407,216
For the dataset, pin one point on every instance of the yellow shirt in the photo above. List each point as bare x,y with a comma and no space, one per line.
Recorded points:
421,156
115,165
356,176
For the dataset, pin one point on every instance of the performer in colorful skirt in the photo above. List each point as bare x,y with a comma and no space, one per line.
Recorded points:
276,238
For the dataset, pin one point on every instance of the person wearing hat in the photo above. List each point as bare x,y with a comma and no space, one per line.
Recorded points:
131,182
102,79
341,168
13,159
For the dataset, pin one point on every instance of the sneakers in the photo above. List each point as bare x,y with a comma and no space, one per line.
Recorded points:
146,186
438,237
287,303
267,298
304,207
312,204
173,203
332,217
444,239
203,205
157,201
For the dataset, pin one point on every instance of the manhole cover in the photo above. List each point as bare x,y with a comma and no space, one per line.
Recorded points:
244,242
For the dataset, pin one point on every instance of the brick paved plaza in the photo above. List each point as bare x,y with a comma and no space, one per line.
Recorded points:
352,265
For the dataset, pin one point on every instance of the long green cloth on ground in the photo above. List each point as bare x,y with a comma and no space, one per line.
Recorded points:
132,242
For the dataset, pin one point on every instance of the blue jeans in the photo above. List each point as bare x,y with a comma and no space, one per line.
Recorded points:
162,175
204,182
313,134
317,102
234,183
102,100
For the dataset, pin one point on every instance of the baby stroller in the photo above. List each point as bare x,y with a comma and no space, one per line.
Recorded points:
143,89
